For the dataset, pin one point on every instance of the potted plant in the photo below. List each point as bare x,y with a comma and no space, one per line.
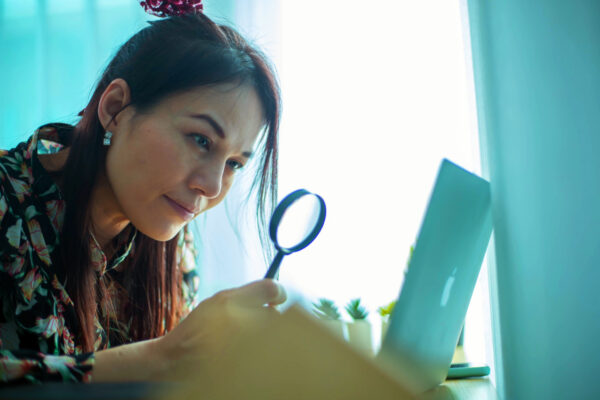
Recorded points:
329,314
359,330
384,313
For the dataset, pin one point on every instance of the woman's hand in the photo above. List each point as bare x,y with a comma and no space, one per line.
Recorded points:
217,323
200,339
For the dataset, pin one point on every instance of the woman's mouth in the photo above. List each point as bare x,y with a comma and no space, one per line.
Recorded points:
181,210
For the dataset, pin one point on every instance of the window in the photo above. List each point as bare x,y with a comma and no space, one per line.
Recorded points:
375,95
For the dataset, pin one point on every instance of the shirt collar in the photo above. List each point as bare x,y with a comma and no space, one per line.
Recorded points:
124,246
47,139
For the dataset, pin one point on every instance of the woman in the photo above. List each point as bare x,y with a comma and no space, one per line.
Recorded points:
93,243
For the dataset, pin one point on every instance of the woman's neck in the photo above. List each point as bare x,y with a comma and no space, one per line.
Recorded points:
107,218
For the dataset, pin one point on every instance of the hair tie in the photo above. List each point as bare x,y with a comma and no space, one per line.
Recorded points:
167,8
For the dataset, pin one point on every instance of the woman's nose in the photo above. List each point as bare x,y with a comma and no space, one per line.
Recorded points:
208,180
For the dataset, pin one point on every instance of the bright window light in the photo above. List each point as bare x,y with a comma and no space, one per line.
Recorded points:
375,95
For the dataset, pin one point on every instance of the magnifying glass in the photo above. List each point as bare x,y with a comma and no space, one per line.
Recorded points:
296,222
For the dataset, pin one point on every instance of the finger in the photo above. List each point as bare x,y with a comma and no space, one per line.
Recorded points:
258,293
256,317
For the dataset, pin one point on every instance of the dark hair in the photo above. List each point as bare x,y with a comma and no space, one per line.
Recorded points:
168,56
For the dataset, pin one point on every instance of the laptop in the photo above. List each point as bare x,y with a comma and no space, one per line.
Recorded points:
428,317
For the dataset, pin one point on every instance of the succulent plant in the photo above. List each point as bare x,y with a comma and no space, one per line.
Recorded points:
326,309
386,311
356,310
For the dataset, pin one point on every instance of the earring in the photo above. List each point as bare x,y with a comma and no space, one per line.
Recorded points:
107,137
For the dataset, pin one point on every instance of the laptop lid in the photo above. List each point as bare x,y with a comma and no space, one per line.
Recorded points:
432,305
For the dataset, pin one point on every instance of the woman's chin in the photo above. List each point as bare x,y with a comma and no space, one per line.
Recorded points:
160,235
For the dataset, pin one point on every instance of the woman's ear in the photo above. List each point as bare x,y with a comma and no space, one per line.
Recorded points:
114,99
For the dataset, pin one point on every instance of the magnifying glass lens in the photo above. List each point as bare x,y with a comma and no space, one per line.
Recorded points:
298,221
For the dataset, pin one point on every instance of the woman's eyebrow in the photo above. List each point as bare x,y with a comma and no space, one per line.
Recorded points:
220,132
218,129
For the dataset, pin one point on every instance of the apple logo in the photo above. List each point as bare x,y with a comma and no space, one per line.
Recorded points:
448,288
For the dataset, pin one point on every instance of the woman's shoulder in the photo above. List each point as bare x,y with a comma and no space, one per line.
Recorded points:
30,209
22,167
13,179
11,159
16,176
16,163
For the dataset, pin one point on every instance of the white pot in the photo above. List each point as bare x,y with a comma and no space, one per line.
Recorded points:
360,336
337,327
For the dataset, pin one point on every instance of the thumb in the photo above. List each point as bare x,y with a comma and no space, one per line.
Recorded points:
259,293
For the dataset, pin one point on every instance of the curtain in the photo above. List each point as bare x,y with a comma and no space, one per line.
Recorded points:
537,76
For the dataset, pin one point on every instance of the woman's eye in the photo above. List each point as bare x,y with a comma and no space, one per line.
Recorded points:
235,165
201,140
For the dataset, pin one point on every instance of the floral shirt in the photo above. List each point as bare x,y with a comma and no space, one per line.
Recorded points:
38,323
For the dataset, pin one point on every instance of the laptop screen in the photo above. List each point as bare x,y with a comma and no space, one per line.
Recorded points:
433,302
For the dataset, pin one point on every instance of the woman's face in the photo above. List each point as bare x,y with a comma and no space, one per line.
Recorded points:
167,165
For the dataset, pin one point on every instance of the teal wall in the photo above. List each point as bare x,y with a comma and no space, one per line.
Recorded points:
51,54
537,75
53,51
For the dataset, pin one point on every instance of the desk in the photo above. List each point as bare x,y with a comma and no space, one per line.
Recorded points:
463,389
469,389
460,389
292,357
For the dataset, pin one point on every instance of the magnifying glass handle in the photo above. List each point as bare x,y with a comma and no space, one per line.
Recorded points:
274,268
